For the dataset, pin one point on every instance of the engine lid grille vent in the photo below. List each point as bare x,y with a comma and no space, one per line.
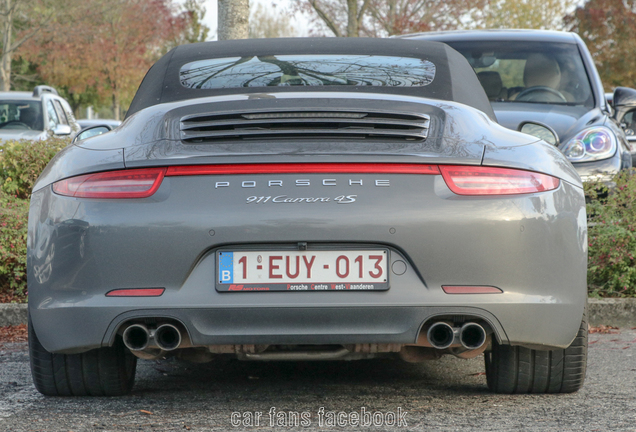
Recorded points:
307,125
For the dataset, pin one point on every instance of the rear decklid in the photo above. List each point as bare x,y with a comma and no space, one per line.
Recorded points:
328,126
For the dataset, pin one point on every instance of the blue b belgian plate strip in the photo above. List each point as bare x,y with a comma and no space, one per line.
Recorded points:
226,267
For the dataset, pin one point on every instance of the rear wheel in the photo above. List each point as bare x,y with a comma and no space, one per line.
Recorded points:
106,371
511,369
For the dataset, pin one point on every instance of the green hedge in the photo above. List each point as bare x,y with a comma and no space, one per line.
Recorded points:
612,240
611,217
14,213
21,162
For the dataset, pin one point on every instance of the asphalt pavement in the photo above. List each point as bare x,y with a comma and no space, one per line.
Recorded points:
445,395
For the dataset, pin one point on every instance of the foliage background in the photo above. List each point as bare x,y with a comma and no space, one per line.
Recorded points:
13,233
21,163
608,27
612,239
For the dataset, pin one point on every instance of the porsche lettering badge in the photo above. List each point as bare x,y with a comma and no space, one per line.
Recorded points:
300,183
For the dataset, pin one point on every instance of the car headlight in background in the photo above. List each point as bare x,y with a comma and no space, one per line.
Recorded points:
590,144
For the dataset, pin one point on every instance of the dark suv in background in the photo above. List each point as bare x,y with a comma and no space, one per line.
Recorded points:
545,83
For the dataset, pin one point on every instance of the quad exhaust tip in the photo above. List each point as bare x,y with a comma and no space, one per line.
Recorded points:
167,337
136,337
441,335
472,336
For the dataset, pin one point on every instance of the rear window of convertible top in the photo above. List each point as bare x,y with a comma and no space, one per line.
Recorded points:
307,70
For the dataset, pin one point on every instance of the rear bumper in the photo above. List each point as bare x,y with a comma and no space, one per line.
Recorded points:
551,325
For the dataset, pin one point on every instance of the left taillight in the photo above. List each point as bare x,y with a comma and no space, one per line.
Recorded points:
134,183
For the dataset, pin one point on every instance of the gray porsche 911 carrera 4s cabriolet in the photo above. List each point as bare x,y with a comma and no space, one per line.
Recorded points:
308,199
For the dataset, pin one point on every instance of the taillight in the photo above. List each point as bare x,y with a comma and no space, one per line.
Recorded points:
481,180
134,183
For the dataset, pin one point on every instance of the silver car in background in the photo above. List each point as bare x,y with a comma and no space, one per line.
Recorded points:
35,116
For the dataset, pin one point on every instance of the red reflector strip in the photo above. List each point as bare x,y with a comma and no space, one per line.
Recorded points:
133,183
136,292
481,180
460,289
304,168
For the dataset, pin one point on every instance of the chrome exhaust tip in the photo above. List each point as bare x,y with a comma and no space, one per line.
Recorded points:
472,336
167,337
136,337
440,335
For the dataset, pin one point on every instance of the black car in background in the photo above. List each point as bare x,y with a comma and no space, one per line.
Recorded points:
628,124
545,83
93,127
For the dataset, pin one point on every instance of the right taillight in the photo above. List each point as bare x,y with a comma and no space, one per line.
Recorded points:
481,180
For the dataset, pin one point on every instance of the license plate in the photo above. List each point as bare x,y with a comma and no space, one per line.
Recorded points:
345,270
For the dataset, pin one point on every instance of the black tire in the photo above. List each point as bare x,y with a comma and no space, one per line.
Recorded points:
100,372
512,369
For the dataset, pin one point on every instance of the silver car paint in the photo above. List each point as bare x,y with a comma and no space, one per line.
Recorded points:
20,134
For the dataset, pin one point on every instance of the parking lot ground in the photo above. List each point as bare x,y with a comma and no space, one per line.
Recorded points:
445,395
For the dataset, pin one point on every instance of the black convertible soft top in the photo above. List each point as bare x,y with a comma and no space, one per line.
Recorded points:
454,79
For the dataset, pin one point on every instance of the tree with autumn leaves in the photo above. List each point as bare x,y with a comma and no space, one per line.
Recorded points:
375,18
20,20
395,17
100,50
608,27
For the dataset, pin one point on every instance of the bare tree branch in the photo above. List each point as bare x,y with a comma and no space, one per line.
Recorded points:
15,45
362,11
352,18
327,20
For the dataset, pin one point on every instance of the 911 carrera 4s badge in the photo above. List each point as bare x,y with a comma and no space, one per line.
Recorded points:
341,199
344,270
